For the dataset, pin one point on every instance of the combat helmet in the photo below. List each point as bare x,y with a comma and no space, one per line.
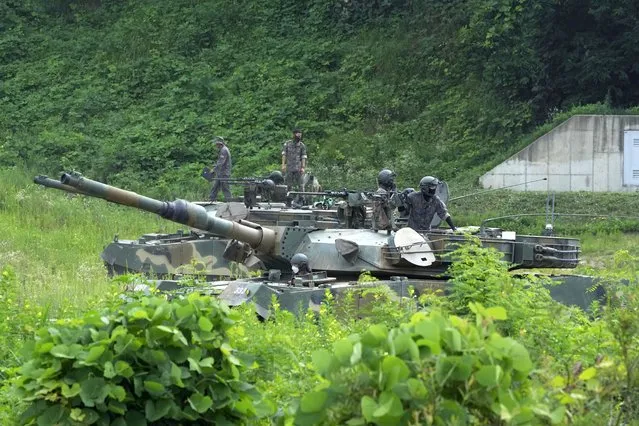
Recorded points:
428,185
299,263
405,193
277,177
386,179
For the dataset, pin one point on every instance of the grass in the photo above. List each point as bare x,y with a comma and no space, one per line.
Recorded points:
53,240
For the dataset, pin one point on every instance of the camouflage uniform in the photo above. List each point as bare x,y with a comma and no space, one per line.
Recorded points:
222,170
294,153
383,206
423,209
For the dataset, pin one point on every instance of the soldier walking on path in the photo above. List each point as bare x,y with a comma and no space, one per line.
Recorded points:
222,170
294,162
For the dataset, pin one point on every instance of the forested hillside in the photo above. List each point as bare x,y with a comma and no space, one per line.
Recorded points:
131,92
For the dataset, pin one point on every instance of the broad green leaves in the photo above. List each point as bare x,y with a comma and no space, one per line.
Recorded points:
135,364
436,368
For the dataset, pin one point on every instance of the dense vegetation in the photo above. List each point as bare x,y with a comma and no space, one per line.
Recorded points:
542,362
131,92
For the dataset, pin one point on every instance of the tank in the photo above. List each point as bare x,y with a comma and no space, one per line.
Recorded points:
226,241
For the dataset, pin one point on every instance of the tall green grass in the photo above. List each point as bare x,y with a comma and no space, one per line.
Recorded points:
53,240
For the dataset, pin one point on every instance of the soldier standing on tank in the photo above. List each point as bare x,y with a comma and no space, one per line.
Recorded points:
384,201
294,161
222,170
424,204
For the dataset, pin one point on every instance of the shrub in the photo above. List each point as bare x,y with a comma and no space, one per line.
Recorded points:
433,370
147,360
621,315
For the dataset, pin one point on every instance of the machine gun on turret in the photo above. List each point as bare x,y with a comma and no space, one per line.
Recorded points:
268,189
351,209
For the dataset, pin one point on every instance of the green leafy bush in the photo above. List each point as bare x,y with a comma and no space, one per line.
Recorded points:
18,319
621,315
434,370
552,330
148,360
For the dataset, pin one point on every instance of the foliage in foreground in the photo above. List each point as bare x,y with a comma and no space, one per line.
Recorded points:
434,370
149,360
351,365
621,316
562,342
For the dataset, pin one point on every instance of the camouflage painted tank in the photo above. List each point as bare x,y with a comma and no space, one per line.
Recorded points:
322,235
224,236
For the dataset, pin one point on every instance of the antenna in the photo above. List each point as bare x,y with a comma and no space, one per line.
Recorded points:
495,189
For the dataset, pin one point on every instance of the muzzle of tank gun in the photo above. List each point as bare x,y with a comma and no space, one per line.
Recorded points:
51,183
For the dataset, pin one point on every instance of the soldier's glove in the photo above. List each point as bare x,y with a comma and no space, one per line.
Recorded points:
449,221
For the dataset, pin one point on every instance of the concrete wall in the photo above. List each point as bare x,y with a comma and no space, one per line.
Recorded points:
585,153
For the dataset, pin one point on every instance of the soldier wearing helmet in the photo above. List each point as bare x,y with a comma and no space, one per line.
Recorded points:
277,177
299,266
384,201
386,179
423,206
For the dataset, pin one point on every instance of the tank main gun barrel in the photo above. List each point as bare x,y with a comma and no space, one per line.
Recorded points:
179,211
52,183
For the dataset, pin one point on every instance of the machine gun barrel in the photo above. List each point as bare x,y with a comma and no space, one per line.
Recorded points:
52,183
342,193
179,211
247,181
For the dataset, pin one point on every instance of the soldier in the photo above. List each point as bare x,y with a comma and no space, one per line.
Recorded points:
402,206
294,161
222,170
384,201
424,204
277,177
300,266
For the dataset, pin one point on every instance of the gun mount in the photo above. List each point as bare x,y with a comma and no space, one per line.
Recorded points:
269,189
